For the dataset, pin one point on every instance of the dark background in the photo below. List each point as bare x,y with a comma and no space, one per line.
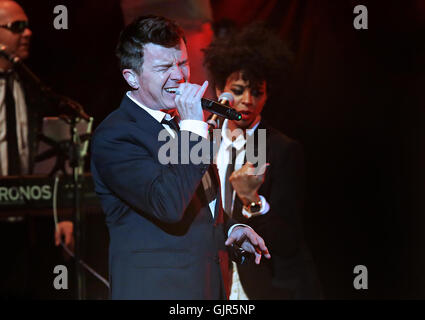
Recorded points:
356,103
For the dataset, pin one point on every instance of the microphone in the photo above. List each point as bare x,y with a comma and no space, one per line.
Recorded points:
226,99
221,108
14,59
239,255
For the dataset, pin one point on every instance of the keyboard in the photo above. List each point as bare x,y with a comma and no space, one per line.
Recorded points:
36,191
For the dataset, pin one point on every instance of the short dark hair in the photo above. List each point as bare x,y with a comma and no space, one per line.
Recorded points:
256,51
143,30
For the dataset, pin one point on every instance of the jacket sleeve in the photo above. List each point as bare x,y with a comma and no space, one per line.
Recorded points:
128,169
284,190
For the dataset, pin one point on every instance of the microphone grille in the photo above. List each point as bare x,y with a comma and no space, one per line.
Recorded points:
226,96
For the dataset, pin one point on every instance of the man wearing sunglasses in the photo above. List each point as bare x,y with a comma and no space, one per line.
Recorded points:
18,37
17,27
14,118
22,108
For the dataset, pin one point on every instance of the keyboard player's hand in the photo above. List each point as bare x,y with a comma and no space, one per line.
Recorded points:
65,230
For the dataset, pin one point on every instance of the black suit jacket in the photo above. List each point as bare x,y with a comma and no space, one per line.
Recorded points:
39,105
164,242
290,273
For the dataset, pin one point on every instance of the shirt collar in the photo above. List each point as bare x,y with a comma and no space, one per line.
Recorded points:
158,115
240,141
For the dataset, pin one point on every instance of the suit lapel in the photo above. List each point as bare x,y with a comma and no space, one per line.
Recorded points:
34,121
140,116
218,212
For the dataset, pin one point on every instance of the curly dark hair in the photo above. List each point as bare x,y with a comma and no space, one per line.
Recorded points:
255,50
143,30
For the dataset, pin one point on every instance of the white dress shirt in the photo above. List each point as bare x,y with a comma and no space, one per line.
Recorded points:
21,125
223,157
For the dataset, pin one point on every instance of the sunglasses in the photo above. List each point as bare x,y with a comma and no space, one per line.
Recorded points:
16,26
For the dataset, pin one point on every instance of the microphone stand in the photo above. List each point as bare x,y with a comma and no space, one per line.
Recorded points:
74,158
75,161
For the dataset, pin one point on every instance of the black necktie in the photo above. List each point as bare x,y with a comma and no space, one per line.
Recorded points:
209,182
14,161
228,189
171,123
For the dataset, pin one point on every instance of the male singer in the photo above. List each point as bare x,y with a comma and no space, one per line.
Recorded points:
165,221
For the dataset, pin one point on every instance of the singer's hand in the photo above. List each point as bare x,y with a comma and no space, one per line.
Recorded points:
188,102
250,241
